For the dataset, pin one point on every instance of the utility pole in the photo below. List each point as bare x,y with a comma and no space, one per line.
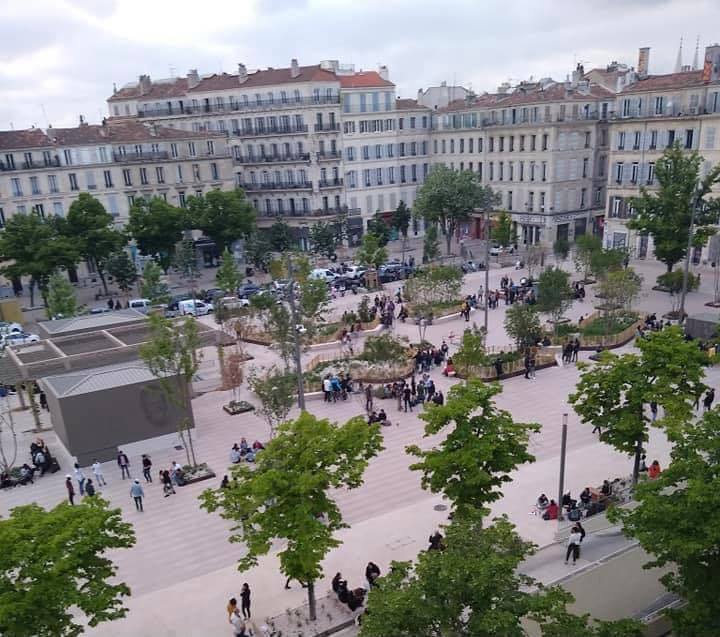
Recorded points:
686,269
563,448
296,335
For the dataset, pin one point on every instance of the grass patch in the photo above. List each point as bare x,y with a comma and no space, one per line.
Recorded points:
606,325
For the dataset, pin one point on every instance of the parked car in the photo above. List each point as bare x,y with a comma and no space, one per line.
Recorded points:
10,328
141,305
354,272
19,338
231,302
247,290
393,271
496,250
195,308
212,294
100,309
323,274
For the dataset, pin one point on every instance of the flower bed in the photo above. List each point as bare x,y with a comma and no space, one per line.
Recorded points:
197,474
435,310
513,365
235,407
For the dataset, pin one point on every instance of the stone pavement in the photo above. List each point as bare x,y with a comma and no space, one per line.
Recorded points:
182,569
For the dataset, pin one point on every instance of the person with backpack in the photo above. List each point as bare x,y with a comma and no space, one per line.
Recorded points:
147,467
573,545
89,488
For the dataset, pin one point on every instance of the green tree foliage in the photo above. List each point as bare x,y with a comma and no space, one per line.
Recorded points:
287,495
152,286
586,246
91,227
258,249
613,393
54,563
400,219
185,262
448,197
475,588
502,230
483,446
157,228
619,289
561,249
173,358
439,284
324,238
61,300
228,276
673,283
312,304
385,348
676,521
665,213
522,323
276,390
280,237
607,260
123,270
554,293
371,252
222,215
34,246
377,226
431,244
471,354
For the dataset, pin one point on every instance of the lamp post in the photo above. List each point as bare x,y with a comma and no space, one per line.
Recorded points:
422,328
563,446
686,269
487,264
296,335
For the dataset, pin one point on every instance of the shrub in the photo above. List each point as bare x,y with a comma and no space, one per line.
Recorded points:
384,348
434,285
365,310
673,281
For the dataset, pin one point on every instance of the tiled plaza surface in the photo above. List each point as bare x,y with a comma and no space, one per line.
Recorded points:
182,569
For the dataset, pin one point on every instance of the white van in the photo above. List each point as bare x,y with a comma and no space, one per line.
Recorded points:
196,307
322,274
141,305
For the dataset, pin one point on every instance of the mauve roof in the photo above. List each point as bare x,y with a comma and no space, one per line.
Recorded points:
266,77
409,105
158,90
123,131
28,138
686,79
363,79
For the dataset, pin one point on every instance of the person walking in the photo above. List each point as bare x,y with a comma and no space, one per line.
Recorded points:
407,394
709,399
653,410
368,398
166,480
245,600
80,477
97,470
124,465
70,489
573,546
147,467
89,488
137,493
527,364
532,365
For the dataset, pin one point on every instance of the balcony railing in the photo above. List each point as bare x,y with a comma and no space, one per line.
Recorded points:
31,165
319,212
150,156
277,185
328,154
330,183
273,130
331,127
267,159
239,107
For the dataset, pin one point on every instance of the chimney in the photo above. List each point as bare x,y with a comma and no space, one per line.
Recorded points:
193,79
383,72
711,67
294,68
242,73
577,76
145,84
82,121
643,64
114,88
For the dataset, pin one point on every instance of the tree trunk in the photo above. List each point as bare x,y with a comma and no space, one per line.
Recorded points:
101,274
636,463
32,292
448,240
34,409
311,601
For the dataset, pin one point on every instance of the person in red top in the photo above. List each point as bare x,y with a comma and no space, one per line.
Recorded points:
551,512
654,470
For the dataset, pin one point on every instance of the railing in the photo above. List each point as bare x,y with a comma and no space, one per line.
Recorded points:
329,154
319,212
273,130
239,107
247,159
330,183
278,185
31,165
151,156
332,127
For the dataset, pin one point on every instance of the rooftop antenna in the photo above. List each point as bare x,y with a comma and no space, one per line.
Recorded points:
696,58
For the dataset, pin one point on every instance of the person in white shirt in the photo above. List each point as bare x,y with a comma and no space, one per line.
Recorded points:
573,546
80,477
327,388
97,470
238,625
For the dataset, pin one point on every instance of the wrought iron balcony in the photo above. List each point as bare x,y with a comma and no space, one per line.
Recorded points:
268,159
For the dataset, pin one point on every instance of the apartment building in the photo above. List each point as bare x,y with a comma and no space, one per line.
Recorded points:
652,113
308,142
541,146
45,171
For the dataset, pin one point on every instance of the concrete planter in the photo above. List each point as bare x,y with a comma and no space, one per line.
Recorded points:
235,407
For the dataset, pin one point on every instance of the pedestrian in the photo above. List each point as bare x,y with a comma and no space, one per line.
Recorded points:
573,546
110,304
245,600
498,366
70,489
97,470
575,350
653,410
43,401
89,488
581,531
166,480
709,399
527,364
124,465
137,493
80,477
532,365
147,467
407,394
368,398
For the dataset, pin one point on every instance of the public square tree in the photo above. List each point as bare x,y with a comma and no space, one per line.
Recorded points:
288,495
222,215
474,587
257,249
431,245
665,213
613,394
522,324
676,521
280,237
324,238
371,252
157,228
228,276
55,562
276,390
482,447
92,229
121,268
61,299
502,230
448,198
561,249
586,246
152,286
554,294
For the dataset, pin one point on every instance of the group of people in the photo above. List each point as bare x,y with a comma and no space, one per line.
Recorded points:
244,451
570,351
427,357
238,617
355,597
384,307
336,386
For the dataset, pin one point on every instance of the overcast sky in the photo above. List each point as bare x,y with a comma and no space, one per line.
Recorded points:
59,58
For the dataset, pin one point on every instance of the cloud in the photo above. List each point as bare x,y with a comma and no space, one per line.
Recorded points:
66,54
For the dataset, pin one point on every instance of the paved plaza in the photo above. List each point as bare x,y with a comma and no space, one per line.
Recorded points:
182,570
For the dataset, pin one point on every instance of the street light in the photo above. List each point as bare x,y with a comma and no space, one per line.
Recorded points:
686,269
422,328
563,445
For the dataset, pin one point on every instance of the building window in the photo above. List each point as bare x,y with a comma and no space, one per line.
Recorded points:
210,147
509,200
583,195
587,139
52,184
586,162
689,138
619,172
196,172
651,174
191,149
127,178
107,176
214,171
634,172
182,200
67,154
659,105
598,196
16,187
159,174
671,138
653,139
39,210
179,172
73,181
143,176
58,209
173,151
542,202
636,140
621,141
